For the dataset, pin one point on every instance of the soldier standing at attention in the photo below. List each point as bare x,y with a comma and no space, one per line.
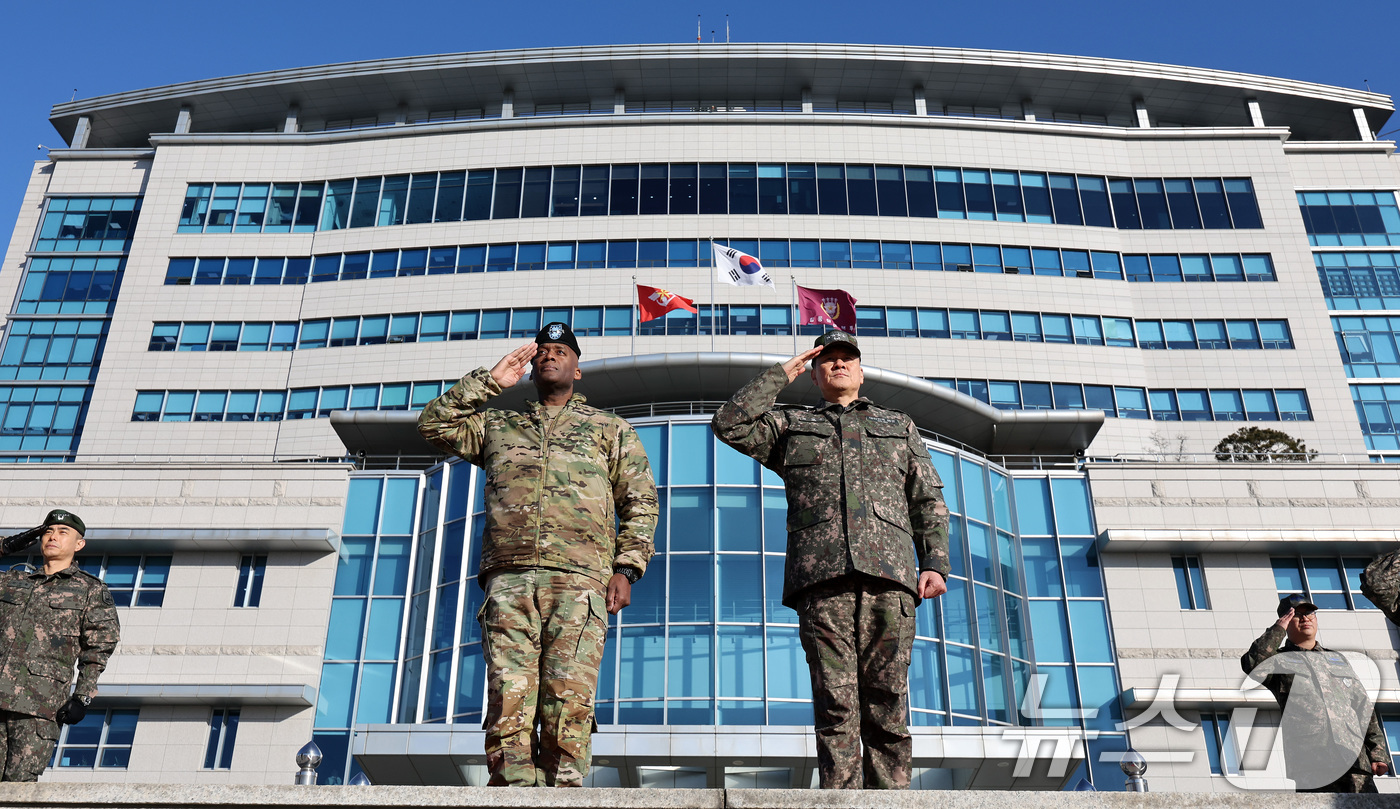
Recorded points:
1332,740
559,478
867,538
50,618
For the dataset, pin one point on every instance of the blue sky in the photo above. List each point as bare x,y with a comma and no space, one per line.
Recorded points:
49,51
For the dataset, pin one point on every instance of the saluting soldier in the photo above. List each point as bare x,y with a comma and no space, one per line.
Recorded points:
559,477
1332,740
867,538
50,618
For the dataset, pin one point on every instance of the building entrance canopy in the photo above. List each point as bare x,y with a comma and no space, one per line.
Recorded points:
629,381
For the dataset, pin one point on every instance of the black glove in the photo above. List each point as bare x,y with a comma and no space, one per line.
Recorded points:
72,712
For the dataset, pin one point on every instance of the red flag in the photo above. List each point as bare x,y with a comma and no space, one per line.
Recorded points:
655,302
828,307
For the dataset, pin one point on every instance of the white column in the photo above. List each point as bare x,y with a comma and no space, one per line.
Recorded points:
292,122
182,121
1362,125
920,103
806,99
81,133
508,104
1141,109
1027,110
619,102
1256,118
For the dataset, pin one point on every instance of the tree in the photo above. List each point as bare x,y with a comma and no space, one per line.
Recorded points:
1262,445
1167,447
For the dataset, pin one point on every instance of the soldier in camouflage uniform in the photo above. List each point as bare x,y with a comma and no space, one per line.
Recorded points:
1332,740
867,538
50,618
559,478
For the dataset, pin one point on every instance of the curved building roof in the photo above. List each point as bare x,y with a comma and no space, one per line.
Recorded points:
621,382
704,74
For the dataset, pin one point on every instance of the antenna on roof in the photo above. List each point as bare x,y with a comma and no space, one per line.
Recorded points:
75,95
712,36
1367,82
697,28
726,29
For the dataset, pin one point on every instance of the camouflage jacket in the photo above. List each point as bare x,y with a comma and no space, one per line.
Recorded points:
48,623
554,497
1335,701
862,494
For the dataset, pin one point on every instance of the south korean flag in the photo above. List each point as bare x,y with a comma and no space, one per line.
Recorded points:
738,268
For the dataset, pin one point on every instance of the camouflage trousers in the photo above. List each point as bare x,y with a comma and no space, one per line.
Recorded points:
1351,782
858,632
542,637
26,744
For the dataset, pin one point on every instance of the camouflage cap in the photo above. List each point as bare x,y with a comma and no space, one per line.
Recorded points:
558,333
1297,602
63,517
836,337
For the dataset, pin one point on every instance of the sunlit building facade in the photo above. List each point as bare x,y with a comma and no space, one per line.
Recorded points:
230,298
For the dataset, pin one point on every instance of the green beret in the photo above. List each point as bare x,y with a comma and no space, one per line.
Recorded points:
64,517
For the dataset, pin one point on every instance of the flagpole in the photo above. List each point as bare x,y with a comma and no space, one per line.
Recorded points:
637,323
796,315
714,270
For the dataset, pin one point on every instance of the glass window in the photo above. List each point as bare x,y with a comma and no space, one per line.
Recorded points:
1220,745
1190,583
860,190
1094,195
1211,334
1325,583
889,185
1244,334
1065,196
1210,197
1152,202
223,731
1087,330
1165,268
1164,405
1259,405
1227,405
919,187
251,570
102,740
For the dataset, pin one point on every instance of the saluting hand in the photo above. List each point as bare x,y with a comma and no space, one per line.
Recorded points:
1282,622
794,366
514,365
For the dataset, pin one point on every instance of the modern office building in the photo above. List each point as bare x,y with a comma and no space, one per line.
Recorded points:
229,297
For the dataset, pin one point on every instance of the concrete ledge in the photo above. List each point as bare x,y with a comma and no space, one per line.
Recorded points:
299,696
173,796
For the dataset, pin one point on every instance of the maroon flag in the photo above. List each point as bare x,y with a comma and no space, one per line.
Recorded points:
827,307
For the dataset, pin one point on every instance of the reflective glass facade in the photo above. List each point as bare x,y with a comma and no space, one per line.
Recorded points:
622,254
872,321
706,640
1359,288
45,423
722,188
